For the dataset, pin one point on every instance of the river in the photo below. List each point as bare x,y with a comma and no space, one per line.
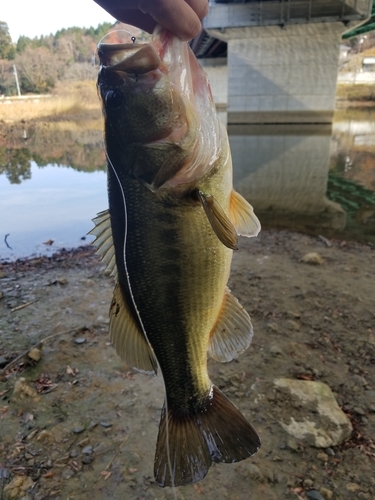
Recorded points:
311,178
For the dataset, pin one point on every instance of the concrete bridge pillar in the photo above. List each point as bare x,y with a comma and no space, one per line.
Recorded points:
282,75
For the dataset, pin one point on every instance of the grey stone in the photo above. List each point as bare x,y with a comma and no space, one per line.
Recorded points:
78,429
314,495
317,419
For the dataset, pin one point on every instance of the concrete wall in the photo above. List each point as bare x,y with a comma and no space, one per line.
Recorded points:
280,75
217,71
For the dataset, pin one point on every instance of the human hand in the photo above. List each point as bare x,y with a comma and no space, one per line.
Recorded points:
181,17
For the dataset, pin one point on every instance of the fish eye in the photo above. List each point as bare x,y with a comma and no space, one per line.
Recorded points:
113,99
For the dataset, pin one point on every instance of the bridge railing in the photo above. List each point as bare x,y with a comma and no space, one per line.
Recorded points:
231,13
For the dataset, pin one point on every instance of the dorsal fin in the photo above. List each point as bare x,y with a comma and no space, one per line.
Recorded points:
219,221
104,241
242,216
233,331
128,338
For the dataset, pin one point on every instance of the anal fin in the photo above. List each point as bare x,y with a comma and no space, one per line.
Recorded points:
233,331
127,337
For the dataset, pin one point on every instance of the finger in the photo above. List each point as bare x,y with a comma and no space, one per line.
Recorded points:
177,16
200,7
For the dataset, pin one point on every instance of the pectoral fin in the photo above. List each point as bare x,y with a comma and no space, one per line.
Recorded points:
104,241
128,338
242,216
233,331
220,223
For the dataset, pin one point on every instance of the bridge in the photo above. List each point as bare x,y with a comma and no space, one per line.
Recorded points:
281,56
273,68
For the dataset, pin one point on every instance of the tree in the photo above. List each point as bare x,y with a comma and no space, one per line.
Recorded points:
7,50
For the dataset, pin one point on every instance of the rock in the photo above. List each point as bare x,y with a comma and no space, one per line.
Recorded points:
253,472
87,450
35,354
275,350
313,258
3,362
80,340
308,483
314,495
314,416
18,487
322,456
45,436
328,494
78,429
22,390
353,487
369,399
106,425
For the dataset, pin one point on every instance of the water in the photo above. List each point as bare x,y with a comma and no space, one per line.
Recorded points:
56,204
312,178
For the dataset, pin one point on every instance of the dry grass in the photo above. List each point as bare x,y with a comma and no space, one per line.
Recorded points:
77,99
358,92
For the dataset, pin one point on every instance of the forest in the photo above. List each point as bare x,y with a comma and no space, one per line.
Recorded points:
69,54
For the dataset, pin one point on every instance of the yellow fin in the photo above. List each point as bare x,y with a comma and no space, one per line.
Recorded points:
219,221
128,338
242,216
233,331
104,241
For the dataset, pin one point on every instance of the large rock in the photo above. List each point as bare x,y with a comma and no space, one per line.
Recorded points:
314,416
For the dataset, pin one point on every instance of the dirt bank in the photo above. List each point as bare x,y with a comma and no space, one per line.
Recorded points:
82,425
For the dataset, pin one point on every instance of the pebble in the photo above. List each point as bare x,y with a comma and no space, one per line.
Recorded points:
313,258
35,354
87,450
73,454
308,483
3,362
359,410
88,459
253,472
353,487
78,429
275,350
330,452
80,340
100,447
314,495
328,494
105,424
322,456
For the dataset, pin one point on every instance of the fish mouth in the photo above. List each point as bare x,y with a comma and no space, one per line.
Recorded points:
128,57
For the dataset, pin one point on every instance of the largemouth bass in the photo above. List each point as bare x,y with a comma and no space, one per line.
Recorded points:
168,237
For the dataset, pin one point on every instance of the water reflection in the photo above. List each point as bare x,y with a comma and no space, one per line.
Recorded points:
52,183
55,205
283,171
78,145
314,178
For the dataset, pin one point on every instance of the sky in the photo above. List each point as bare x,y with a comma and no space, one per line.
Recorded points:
43,17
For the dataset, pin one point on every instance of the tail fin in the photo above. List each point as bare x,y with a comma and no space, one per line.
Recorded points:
188,445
